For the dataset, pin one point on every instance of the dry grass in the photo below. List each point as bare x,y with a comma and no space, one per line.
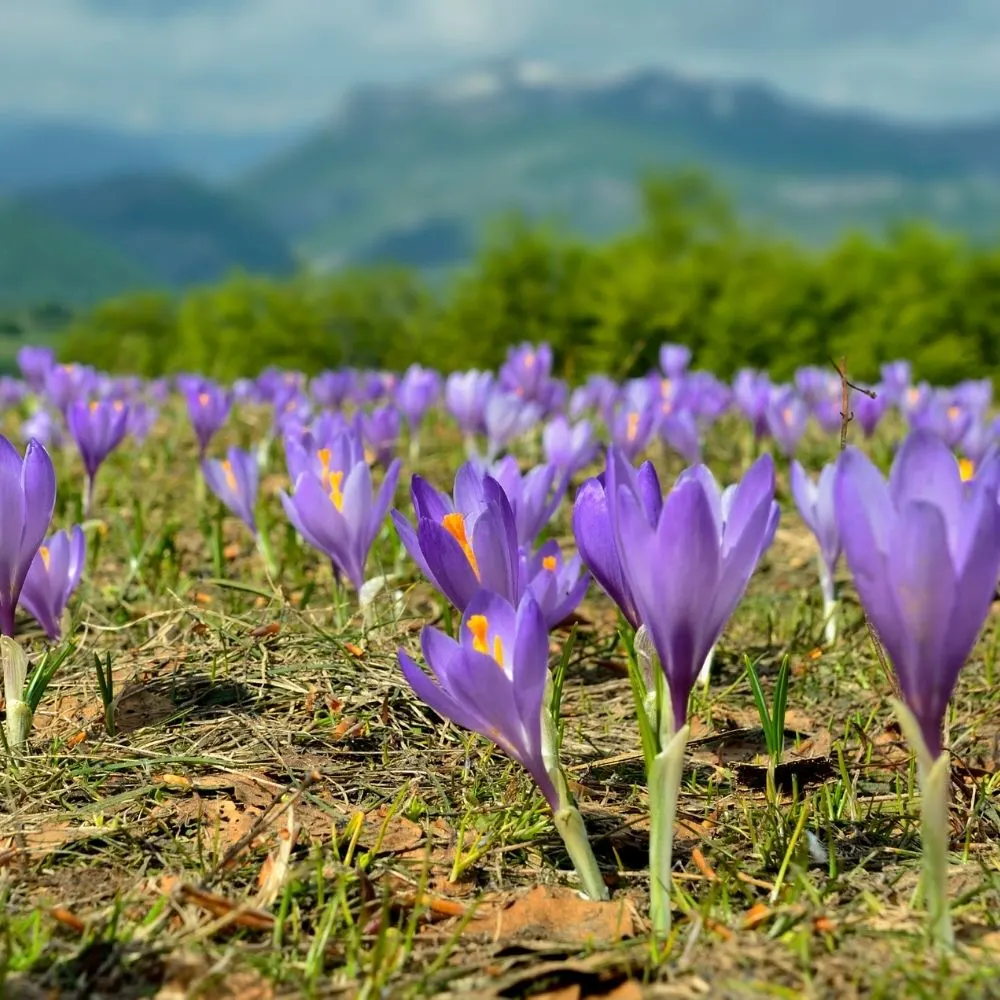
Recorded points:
275,814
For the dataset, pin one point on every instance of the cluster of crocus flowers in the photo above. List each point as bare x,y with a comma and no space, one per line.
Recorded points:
677,566
495,680
924,552
208,407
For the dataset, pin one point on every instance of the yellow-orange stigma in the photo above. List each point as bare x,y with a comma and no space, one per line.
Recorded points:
665,384
954,412
93,405
118,405
227,468
336,489
549,563
479,626
632,427
44,553
966,469
913,395
529,361
203,398
454,524
786,414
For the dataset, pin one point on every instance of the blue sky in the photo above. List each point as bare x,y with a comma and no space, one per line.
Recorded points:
249,65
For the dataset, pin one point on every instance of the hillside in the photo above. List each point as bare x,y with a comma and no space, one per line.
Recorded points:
398,173
175,228
44,260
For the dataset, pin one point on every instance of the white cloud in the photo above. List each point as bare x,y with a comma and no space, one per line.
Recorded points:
253,64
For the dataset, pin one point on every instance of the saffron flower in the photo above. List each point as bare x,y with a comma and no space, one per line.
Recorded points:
674,360
924,551
97,428
417,392
558,584
631,427
815,503
208,407
465,396
235,481
787,416
380,431
569,447
466,544
595,536
52,577
494,681
534,497
28,489
35,364
339,512
505,418
687,569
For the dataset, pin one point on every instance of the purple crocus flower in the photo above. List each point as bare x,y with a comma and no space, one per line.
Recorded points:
52,577
869,411
418,390
558,584
235,482
465,395
141,420
322,449
752,394
505,418
598,393
66,383
569,447
44,428
28,491
814,501
688,569
380,431
208,407
12,391
897,377
534,497
97,428
674,360
706,397
595,537
35,363
505,705
631,428
339,513
924,551
681,432
787,416
331,389
465,544
527,370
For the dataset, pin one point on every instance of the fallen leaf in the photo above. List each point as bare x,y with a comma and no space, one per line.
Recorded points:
555,914
264,631
241,914
138,707
392,836
756,915
67,919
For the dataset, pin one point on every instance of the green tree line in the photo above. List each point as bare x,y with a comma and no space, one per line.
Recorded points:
690,273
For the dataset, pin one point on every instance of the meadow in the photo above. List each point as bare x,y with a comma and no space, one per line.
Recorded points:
230,789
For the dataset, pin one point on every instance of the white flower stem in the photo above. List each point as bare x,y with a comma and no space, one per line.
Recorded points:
934,777
705,674
830,603
664,781
566,817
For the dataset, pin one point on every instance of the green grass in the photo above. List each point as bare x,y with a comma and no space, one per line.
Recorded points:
242,709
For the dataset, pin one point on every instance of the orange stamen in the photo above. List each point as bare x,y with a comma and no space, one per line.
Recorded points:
44,553
227,468
479,626
454,524
549,563
203,398
632,428
966,469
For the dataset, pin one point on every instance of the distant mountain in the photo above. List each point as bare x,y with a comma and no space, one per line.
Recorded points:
44,260
444,158
172,227
41,152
